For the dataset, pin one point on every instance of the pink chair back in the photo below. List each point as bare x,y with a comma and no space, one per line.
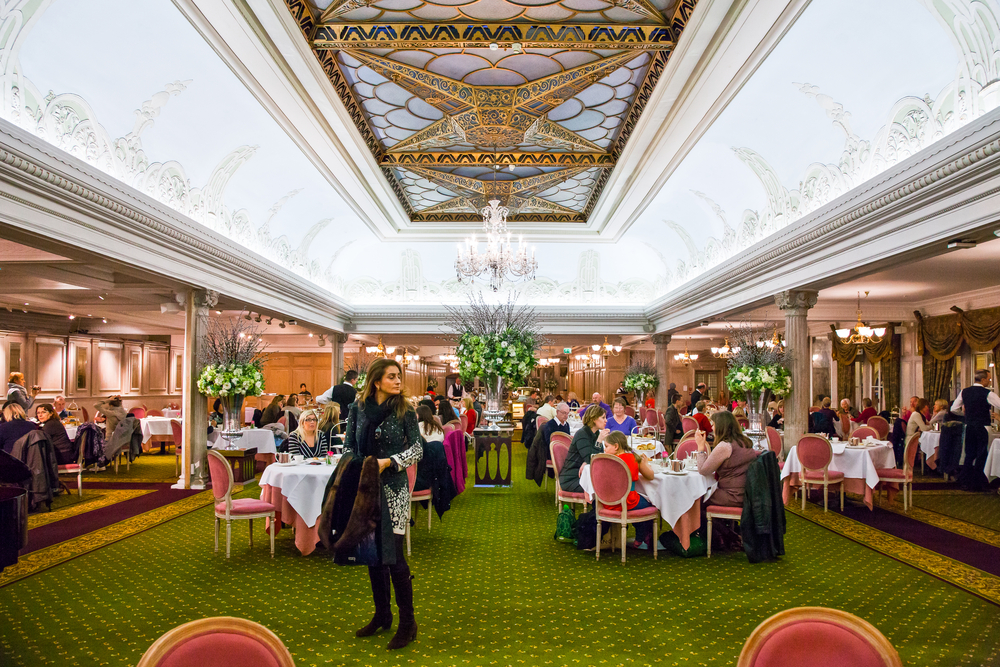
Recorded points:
814,452
651,419
540,420
558,451
630,411
685,449
465,421
880,425
449,427
138,413
611,478
283,420
154,413
178,431
773,440
817,637
910,453
642,414
220,641
221,474
689,424
411,476
661,422
559,436
864,432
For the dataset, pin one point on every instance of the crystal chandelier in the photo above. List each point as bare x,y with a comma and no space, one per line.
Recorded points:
380,350
499,259
861,333
685,357
725,351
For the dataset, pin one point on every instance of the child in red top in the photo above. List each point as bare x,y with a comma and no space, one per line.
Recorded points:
616,444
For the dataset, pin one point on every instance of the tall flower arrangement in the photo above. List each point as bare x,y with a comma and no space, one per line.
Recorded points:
232,359
757,364
359,362
641,377
495,341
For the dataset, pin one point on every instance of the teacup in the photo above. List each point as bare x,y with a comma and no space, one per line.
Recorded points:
298,457
284,457
676,466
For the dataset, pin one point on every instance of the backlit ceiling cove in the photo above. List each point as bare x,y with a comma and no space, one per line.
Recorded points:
556,99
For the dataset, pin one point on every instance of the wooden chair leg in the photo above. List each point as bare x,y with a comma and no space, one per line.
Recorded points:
250,522
430,511
216,534
79,482
826,497
272,536
805,492
841,496
624,537
229,535
708,549
656,536
598,539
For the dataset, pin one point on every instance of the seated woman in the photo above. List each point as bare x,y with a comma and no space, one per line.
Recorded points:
308,440
329,422
620,421
571,401
917,420
446,412
616,444
727,461
435,462
430,429
472,417
14,425
778,418
217,418
66,451
585,444
940,411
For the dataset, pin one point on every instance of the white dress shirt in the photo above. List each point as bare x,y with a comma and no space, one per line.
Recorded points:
991,398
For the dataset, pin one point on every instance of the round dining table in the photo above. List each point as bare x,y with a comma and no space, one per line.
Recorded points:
860,466
296,491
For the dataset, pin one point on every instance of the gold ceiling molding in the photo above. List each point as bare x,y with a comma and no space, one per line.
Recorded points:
477,117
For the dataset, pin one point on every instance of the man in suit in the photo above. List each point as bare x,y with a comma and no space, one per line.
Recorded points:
696,396
977,402
672,418
672,394
344,393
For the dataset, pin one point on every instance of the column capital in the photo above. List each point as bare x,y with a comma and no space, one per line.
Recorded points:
661,339
203,298
796,300
340,337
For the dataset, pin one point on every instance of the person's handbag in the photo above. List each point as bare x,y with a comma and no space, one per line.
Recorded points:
565,525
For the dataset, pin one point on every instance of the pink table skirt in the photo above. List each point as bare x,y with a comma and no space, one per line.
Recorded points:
454,451
306,537
689,522
851,485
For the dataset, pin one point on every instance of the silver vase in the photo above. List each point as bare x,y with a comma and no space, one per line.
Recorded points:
494,412
231,406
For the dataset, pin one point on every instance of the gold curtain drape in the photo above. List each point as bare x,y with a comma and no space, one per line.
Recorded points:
937,378
891,372
940,338
845,380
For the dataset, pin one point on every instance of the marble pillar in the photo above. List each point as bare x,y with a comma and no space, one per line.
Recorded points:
662,369
337,341
796,304
194,449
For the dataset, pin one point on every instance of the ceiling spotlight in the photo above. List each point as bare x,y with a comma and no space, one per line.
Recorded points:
269,320
104,319
72,317
494,46
280,326
23,311
247,316
961,244
257,319
310,334
218,312
292,323
26,303
100,297
89,315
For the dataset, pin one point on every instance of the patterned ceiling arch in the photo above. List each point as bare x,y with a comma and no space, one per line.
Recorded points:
554,84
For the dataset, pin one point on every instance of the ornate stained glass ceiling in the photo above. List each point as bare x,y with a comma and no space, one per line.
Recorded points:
526,101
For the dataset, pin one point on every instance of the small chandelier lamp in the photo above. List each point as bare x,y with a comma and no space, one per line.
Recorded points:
861,333
380,350
607,350
725,351
406,358
685,357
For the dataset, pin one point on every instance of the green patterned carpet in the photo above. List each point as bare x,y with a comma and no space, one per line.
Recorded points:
492,588
982,509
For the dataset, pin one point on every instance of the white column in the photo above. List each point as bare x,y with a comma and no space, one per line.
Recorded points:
337,341
662,369
194,448
796,305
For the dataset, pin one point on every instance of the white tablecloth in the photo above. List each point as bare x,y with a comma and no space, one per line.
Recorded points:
155,426
673,495
854,463
302,485
171,414
993,461
71,432
261,438
929,441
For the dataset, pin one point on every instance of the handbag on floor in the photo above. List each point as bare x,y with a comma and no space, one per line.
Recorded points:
586,530
565,524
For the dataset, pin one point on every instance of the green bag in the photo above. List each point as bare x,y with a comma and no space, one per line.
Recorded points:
565,524
671,542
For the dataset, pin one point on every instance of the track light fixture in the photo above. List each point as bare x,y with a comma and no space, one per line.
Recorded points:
257,319
248,316
280,326
269,320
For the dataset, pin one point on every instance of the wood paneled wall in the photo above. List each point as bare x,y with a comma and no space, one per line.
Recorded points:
603,375
285,371
85,369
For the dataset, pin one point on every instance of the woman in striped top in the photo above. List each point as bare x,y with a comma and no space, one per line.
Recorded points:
307,440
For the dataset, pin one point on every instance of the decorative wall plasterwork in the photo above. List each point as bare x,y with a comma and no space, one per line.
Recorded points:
412,287
912,124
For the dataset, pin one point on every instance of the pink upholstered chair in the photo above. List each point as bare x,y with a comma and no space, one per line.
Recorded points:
689,424
650,419
818,637
880,425
155,413
719,512
558,450
815,454
221,641
774,442
178,430
453,425
417,497
865,432
540,421
661,423
904,476
642,414
685,449
630,411
612,484
283,420
464,419
138,413
229,509
76,468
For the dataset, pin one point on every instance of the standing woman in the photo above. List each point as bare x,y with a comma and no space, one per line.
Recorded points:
382,424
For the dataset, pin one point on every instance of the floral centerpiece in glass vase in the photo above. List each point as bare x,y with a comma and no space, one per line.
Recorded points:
641,378
497,344
232,369
758,370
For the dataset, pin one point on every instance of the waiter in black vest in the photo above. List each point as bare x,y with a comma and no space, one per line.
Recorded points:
976,401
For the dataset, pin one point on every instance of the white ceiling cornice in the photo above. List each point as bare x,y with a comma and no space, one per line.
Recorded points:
53,198
554,320
949,190
262,45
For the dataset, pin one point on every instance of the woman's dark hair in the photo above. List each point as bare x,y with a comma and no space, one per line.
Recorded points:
47,406
921,405
217,405
115,402
293,400
276,400
429,403
727,429
426,416
376,370
446,412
